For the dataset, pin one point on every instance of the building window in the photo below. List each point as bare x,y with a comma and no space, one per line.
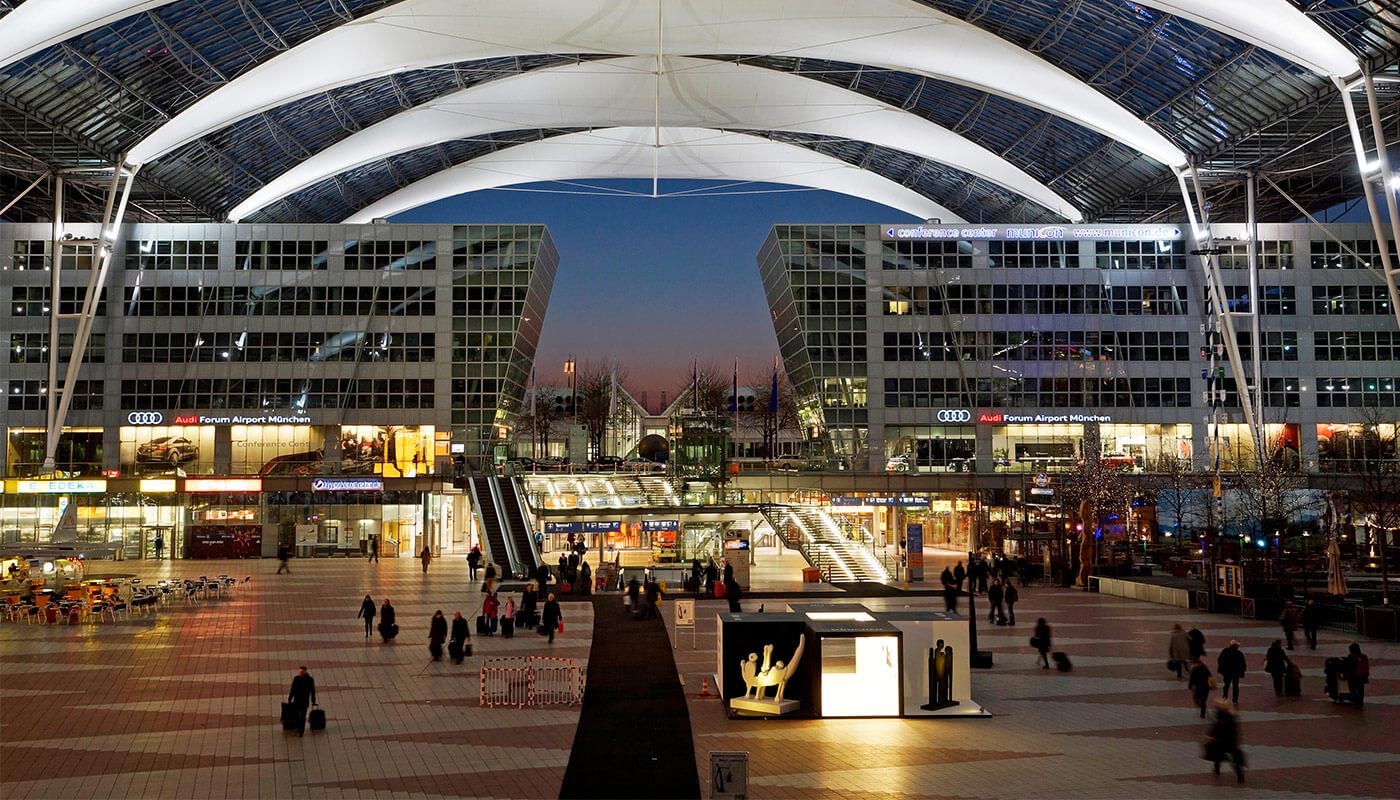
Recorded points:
1327,254
1356,346
1033,254
1345,301
1138,255
280,255
390,254
171,254
33,348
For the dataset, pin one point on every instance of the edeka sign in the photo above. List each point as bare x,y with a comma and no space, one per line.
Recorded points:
288,418
60,487
347,485
999,418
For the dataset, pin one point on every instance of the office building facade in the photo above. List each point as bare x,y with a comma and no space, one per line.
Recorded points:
993,348
277,354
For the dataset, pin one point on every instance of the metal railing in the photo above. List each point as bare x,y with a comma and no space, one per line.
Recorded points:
532,681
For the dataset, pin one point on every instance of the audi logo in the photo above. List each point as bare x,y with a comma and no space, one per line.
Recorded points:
145,418
954,415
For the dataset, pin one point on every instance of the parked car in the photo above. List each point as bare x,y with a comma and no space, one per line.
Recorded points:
552,464
643,465
167,449
609,463
899,462
523,464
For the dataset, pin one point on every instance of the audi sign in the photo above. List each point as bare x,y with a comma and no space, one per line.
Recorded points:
954,415
145,418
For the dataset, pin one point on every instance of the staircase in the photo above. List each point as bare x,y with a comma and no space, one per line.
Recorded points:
492,533
520,530
817,536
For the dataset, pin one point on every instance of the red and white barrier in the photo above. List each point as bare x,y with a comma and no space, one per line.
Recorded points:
532,681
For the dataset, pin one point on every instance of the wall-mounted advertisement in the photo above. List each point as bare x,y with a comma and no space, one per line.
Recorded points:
392,451
166,449
276,450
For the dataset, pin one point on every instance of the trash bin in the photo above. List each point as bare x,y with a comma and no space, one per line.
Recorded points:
811,575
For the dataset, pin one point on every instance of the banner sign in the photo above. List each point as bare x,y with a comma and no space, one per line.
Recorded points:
875,500
661,525
347,484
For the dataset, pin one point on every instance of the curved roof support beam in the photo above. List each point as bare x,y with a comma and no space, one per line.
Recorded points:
893,34
692,93
686,153
1273,25
39,24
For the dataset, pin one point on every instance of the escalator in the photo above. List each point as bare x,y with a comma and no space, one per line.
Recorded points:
520,531
492,535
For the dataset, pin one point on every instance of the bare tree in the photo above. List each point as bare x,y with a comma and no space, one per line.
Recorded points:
1271,489
537,423
1095,489
593,385
763,419
1181,492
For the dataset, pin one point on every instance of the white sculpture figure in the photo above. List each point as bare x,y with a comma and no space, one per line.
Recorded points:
758,680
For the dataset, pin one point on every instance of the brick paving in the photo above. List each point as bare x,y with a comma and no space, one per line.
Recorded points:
185,705
1118,726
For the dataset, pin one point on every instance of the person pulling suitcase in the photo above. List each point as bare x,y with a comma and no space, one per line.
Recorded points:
301,696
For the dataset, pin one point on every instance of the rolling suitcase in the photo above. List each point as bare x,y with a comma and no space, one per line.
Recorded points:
454,650
1293,681
317,720
507,628
1061,662
481,629
290,717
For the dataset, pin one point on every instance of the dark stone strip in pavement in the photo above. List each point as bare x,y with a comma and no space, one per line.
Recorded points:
633,736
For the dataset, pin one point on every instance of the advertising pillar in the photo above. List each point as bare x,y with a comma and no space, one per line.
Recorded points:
736,552
914,550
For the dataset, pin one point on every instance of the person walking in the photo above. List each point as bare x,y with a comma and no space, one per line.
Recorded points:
1231,666
427,557
301,697
387,628
1179,651
474,561
711,577
995,595
374,549
950,592
1276,664
1198,643
1312,620
508,619
1288,620
491,609
437,634
459,638
1200,683
489,582
1223,741
585,579
653,597
367,612
732,593
551,617
959,575
529,600
697,571
283,554
542,577
1041,642
160,545
1357,667
1010,596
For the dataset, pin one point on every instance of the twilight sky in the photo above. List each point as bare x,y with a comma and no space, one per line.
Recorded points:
656,282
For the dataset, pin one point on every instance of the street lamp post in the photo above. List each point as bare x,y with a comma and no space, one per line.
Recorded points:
570,370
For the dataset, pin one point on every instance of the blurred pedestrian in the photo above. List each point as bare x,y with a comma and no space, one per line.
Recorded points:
1198,643
552,617
994,598
427,557
1312,620
1288,620
283,554
1041,642
367,612
437,634
1231,666
1357,667
459,638
1276,664
1200,683
1179,651
473,561
1010,596
1223,741
302,696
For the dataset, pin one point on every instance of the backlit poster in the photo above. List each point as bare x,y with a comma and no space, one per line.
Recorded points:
393,451
163,449
276,450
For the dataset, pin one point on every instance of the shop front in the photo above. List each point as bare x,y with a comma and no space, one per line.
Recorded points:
1356,447
79,452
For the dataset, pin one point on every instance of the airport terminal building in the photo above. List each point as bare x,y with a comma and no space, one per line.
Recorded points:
1004,348
269,369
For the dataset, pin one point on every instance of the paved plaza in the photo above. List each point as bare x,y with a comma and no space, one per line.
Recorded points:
185,704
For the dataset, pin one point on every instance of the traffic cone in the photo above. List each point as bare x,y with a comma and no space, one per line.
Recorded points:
705,686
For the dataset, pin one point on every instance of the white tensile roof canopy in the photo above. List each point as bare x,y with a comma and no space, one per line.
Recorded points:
662,76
